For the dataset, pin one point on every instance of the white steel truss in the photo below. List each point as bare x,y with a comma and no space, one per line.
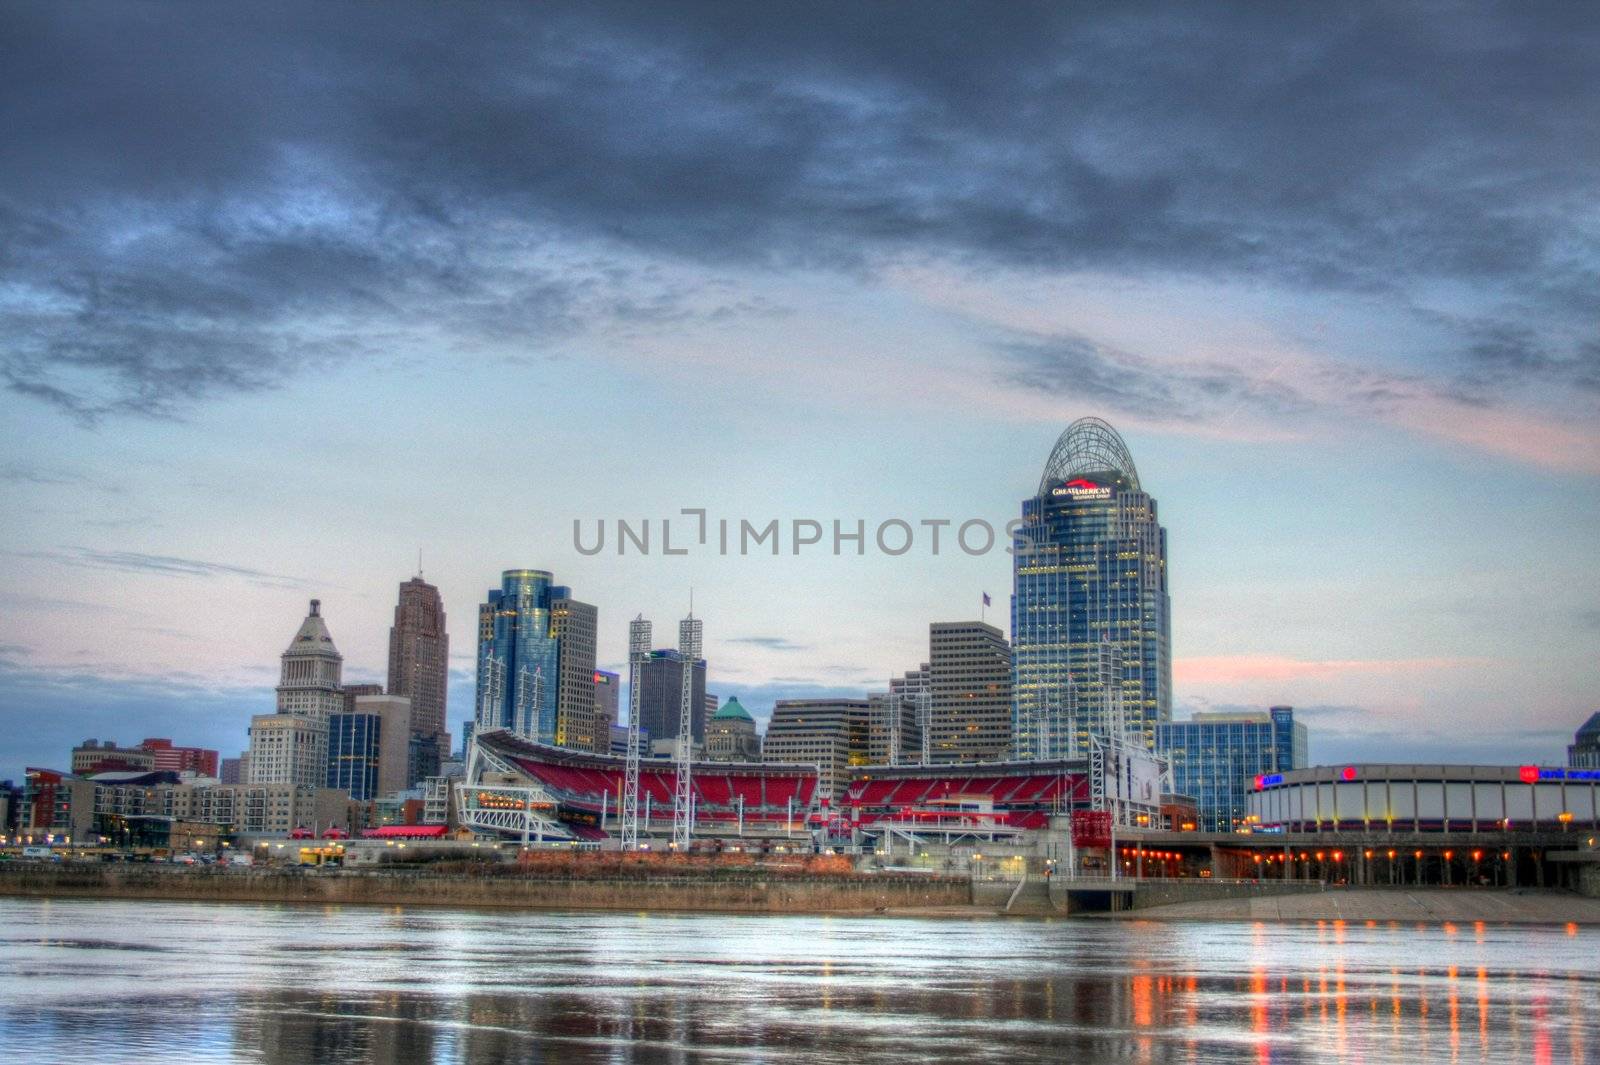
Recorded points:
689,632
530,702
638,648
505,809
494,679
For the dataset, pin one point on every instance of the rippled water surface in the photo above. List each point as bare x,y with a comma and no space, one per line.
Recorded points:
135,981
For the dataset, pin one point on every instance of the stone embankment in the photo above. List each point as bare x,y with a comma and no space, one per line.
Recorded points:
735,891
1464,905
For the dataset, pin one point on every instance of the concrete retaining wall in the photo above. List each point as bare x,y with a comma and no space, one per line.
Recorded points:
1167,892
719,893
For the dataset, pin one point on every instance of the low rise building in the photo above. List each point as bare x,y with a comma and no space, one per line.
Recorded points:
167,758
93,756
84,808
1369,798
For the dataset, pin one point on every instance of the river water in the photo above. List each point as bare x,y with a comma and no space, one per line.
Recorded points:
84,981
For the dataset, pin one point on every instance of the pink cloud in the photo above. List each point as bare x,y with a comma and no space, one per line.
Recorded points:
1245,669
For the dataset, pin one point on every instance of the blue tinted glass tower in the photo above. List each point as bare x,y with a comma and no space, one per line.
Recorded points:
518,656
1090,617
1216,757
353,754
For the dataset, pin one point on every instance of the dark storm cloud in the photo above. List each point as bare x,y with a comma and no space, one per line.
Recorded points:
197,200
1093,373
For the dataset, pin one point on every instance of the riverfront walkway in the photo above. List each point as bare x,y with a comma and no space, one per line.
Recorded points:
1431,905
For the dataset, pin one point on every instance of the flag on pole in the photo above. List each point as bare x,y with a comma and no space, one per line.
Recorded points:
986,599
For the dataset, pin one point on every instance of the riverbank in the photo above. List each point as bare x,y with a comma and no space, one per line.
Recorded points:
1436,905
740,891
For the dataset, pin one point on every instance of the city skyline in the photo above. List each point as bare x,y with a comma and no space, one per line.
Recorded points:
1323,271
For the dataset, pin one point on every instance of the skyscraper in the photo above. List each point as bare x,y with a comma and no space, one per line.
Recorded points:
1089,586
291,746
661,695
419,657
969,677
536,661
573,625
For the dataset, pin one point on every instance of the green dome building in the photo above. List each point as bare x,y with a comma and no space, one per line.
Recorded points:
731,735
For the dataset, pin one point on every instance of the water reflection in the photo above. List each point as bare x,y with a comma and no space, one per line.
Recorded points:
282,986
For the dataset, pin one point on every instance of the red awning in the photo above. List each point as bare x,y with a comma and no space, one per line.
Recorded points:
405,832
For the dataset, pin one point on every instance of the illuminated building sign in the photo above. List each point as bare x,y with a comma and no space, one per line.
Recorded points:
1561,774
1268,780
1347,773
1529,774
1082,488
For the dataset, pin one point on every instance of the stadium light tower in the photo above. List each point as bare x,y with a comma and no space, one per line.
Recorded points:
638,648
683,798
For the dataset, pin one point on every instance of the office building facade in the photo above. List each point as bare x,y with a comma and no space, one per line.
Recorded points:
419,658
1089,577
574,625
1216,758
661,695
370,748
831,734
969,683
171,759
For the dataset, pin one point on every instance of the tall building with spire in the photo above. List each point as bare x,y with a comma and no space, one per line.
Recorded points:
291,746
1091,635
419,658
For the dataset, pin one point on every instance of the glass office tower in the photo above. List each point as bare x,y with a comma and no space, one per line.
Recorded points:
1216,758
353,754
1090,617
518,656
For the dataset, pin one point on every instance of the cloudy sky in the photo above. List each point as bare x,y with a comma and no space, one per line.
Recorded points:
288,293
